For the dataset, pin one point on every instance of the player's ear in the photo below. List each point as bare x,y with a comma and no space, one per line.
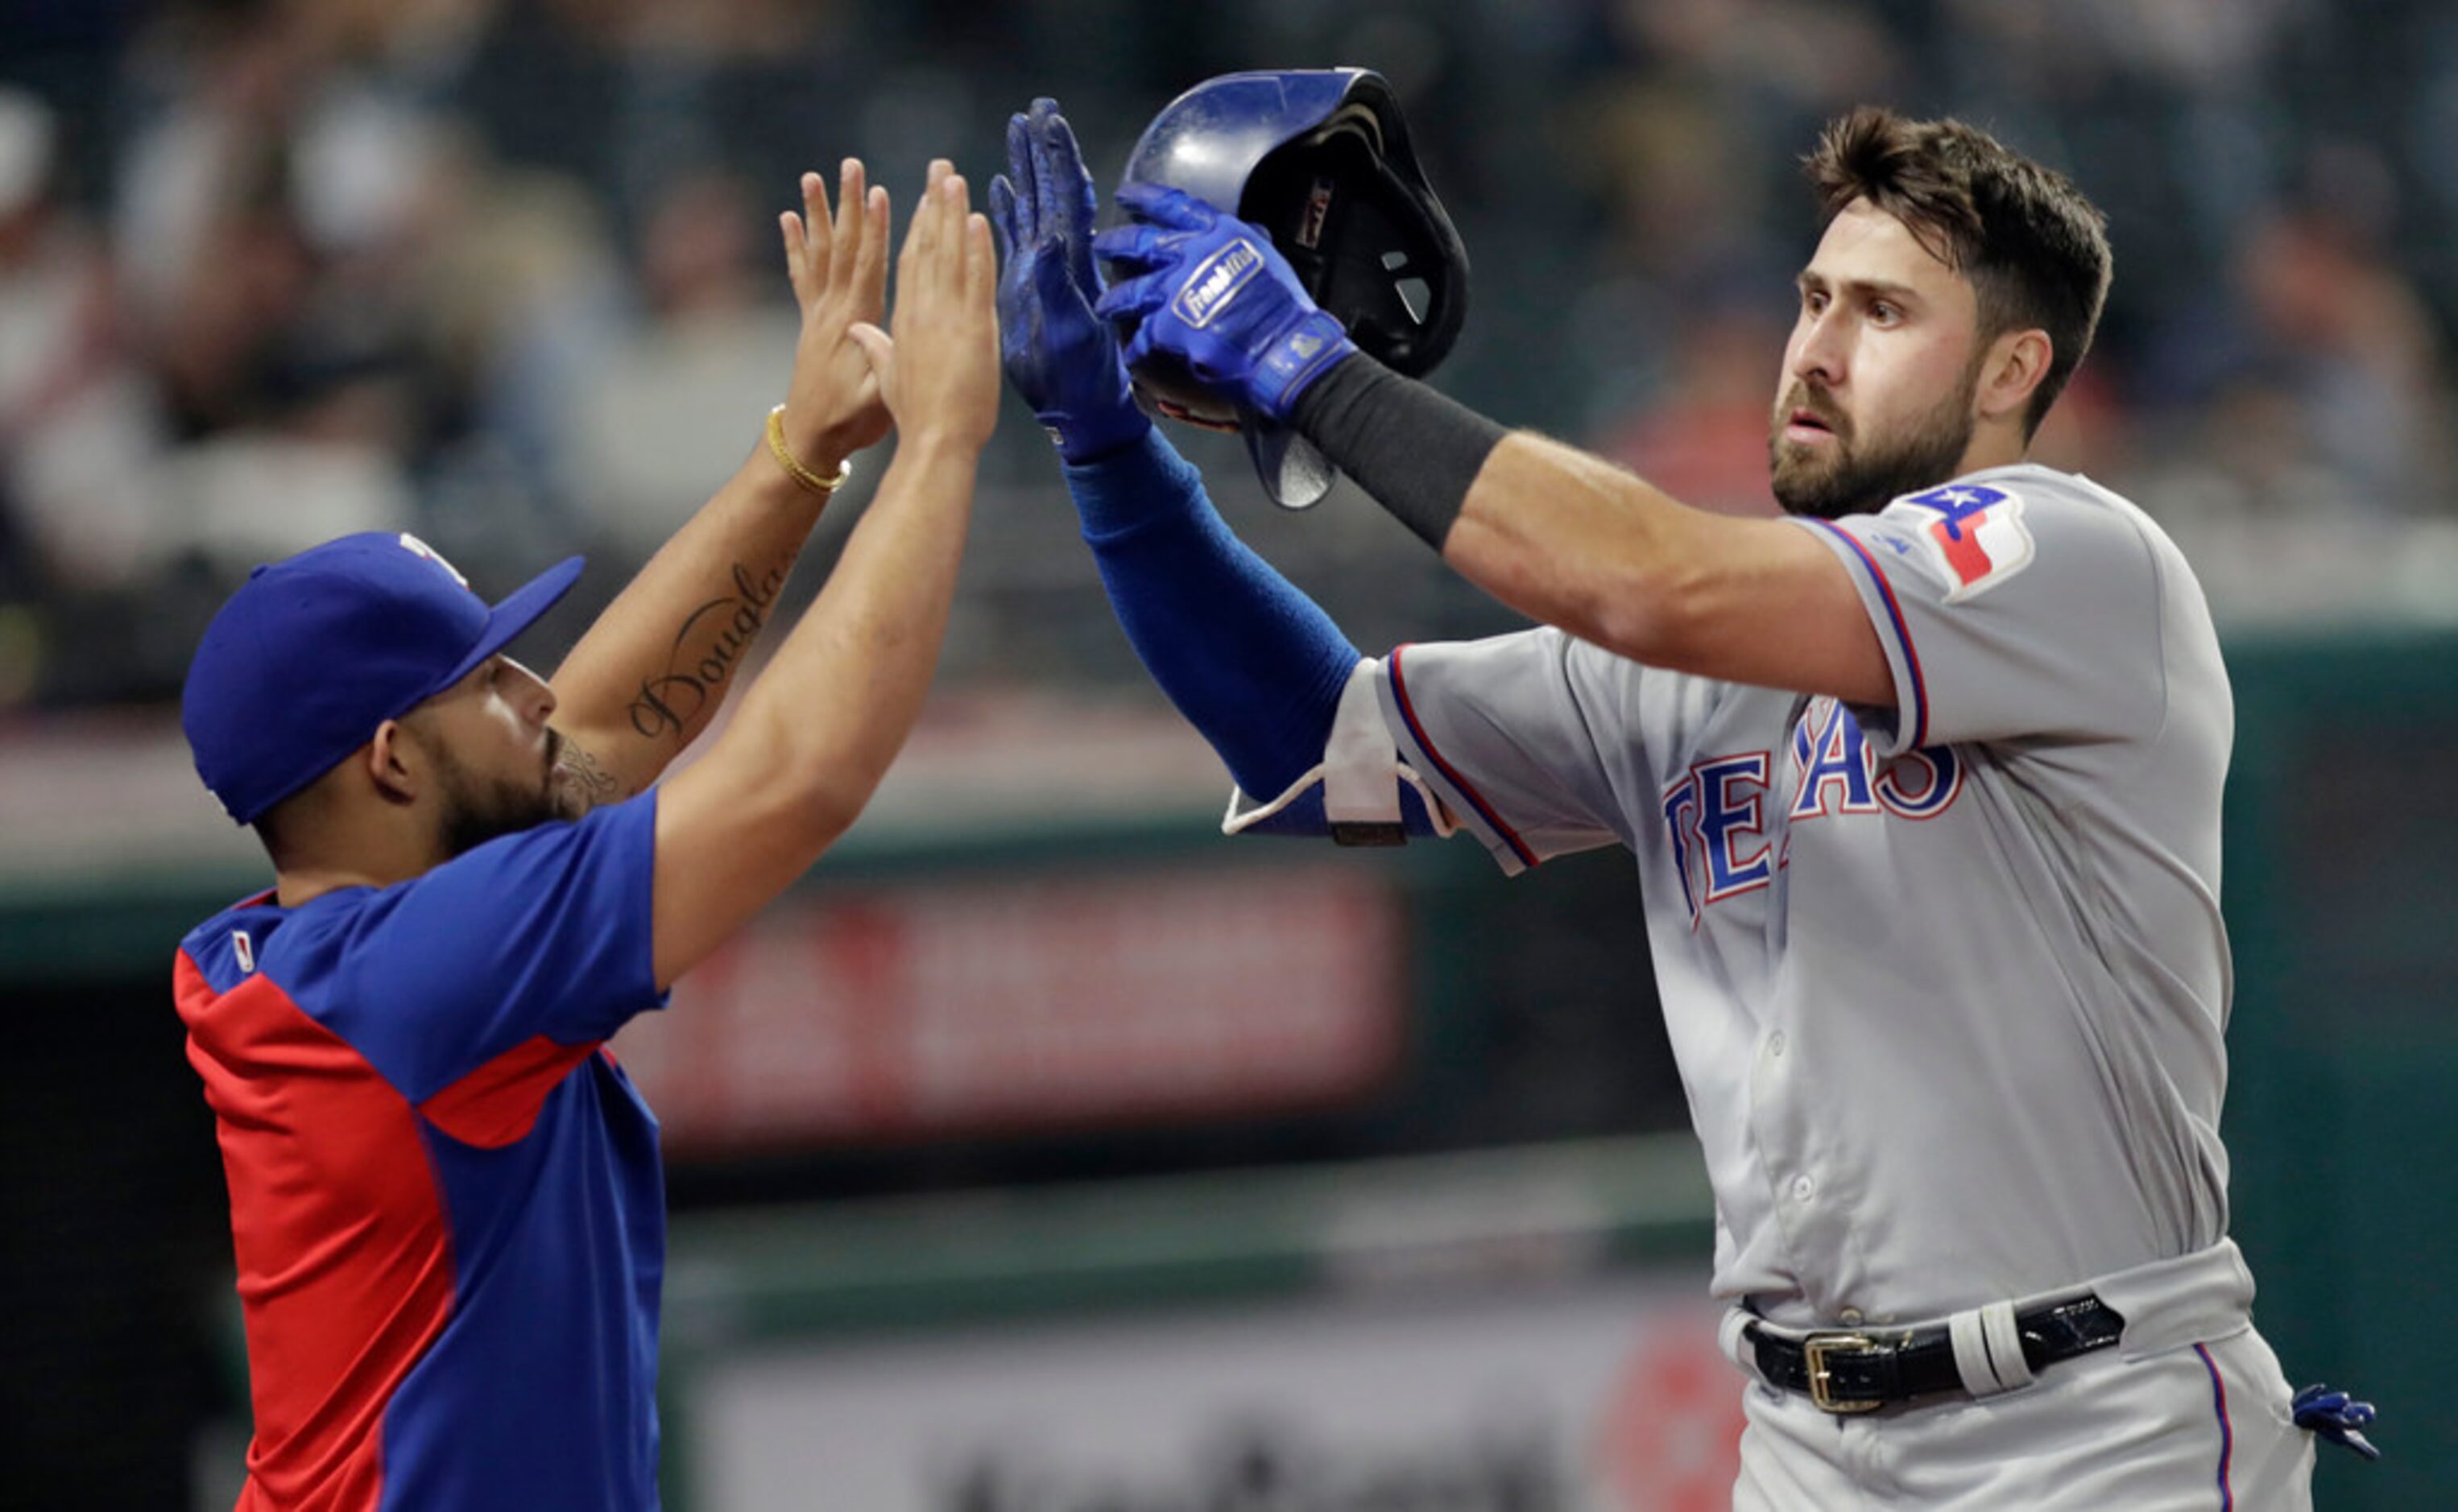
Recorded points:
2017,363
397,766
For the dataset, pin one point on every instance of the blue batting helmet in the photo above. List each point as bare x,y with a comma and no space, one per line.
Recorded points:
1319,159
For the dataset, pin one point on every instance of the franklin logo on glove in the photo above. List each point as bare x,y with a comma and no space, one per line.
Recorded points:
1216,281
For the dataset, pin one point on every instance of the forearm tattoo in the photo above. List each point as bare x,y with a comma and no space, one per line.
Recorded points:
708,648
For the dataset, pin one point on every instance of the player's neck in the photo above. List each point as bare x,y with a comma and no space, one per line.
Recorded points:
1992,447
378,851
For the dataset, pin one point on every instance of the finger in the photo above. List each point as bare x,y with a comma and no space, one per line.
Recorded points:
955,213
818,235
877,349
1050,178
871,256
1003,218
846,235
1165,206
919,232
1078,202
797,267
1133,298
1138,248
980,265
932,204
1024,171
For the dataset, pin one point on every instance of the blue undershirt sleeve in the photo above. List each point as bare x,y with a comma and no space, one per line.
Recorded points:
1237,647
1249,661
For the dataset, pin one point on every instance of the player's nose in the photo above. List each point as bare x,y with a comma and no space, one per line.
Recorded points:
1818,350
536,698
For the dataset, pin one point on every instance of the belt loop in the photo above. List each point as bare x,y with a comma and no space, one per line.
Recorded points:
2005,1345
1988,1350
1732,1336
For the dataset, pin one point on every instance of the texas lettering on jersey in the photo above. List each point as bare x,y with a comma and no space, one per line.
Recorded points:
1716,813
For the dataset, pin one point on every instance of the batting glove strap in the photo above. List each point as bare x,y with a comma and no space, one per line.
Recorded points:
1082,437
1303,351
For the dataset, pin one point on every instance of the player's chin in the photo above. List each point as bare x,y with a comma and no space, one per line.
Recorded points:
1804,481
563,797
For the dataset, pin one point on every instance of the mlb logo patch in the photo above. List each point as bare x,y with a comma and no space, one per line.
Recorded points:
1978,537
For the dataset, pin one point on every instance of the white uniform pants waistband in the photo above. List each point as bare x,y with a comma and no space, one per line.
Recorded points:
2166,1304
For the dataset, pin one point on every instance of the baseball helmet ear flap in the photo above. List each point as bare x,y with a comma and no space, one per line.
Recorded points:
1320,160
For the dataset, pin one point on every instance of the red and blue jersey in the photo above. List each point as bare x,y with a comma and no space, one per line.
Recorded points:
446,1202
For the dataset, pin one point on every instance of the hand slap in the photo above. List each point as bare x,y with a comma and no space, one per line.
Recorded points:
837,263
1215,294
1058,357
939,370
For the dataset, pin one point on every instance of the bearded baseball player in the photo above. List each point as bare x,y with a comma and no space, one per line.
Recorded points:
1923,781
446,1202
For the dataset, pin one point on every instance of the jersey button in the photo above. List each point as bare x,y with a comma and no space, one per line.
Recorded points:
1849,1317
1803,1188
1775,1045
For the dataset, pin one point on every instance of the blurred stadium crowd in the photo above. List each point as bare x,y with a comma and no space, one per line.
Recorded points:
504,271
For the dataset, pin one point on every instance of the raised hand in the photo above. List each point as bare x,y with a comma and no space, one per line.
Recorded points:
1211,291
1061,357
839,268
937,367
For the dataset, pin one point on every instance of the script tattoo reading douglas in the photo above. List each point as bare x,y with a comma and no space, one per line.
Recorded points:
669,702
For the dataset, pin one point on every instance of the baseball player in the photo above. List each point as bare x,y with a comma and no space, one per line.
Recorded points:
446,1197
1922,783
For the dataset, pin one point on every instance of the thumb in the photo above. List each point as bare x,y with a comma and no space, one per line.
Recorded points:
877,349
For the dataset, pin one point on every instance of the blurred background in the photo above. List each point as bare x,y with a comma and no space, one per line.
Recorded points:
1046,1152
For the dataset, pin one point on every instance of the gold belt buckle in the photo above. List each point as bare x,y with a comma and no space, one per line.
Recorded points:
1814,1352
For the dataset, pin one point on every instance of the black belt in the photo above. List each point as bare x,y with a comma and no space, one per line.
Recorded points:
1861,1370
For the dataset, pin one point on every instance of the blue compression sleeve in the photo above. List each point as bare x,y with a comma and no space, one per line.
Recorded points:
1249,661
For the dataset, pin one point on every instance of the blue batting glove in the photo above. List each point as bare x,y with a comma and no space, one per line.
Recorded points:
1213,292
1062,359
2335,1415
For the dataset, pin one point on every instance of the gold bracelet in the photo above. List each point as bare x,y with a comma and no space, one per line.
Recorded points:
793,465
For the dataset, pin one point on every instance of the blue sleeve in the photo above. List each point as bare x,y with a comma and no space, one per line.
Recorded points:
543,933
1249,661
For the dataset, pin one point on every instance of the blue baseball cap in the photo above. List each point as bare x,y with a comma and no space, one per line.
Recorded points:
316,650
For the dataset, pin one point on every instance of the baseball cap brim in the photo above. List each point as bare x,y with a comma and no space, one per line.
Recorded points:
519,610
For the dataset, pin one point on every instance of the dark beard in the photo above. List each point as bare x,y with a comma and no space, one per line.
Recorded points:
1858,480
475,813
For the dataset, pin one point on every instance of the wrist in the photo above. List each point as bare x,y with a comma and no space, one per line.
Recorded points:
1140,484
819,470
827,456
939,445
1414,451
1089,436
1301,353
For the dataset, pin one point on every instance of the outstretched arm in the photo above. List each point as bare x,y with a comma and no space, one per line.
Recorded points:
1248,659
653,669
1554,532
818,729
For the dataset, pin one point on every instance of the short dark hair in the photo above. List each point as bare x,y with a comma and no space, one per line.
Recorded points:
2034,248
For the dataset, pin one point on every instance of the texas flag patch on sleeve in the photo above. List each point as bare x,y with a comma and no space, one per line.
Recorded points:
1978,538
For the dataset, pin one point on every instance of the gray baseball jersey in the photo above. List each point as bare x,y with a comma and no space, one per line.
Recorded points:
1946,981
